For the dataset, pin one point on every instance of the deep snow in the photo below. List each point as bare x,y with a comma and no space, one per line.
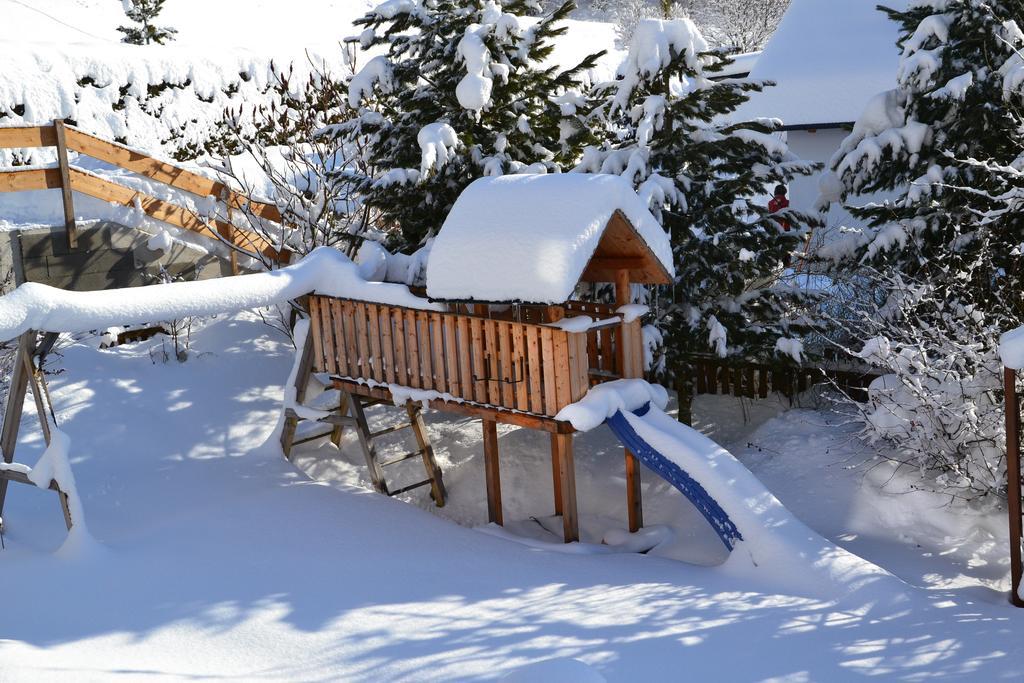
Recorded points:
218,558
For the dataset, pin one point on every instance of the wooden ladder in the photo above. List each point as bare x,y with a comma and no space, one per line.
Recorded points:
351,412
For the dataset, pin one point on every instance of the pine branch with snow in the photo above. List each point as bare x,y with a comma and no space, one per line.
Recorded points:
460,93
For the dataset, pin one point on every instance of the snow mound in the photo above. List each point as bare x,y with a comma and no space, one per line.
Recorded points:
530,237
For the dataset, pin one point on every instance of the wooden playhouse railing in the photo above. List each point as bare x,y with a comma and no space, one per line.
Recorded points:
67,178
505,365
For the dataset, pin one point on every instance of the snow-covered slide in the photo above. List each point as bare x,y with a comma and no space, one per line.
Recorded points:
761,533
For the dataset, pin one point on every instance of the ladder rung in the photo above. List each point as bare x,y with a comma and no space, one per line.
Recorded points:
401,458
312,438
388,430
343,420
410,487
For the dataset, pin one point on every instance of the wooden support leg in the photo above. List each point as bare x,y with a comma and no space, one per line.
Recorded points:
338,429
14,407
556,475
491,472
567,477
301,383
36,384
634,502
65,508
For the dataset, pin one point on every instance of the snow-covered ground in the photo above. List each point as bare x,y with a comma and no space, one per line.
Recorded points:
214,557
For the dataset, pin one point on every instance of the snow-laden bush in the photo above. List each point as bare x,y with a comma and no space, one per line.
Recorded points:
938,406
162,99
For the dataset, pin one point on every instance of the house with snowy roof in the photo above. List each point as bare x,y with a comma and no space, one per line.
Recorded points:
827,60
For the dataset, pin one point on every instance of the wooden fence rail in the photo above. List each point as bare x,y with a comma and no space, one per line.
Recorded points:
524,367
66,138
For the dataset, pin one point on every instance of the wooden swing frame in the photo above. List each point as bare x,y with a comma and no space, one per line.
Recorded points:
27,375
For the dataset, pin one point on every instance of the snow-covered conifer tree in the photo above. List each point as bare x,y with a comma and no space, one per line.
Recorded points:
945,250
708,181
144,14
460,93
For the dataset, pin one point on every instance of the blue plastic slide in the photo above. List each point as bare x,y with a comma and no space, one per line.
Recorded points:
675,475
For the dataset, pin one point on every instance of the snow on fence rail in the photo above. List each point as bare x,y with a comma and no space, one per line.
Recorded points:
35,306
65,177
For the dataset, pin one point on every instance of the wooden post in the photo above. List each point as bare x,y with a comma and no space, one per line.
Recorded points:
301,384
70,227
491,472
556,476
634,499
13,409
1013,502
227,231
37,393
562,453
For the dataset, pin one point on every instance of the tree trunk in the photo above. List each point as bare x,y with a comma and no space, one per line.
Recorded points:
684,397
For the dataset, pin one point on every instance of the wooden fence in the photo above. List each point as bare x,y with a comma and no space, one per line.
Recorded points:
524,367
754,380
67,178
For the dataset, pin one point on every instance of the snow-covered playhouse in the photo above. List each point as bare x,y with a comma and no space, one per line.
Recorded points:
500,334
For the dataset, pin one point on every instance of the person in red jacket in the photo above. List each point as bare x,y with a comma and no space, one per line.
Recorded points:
779,202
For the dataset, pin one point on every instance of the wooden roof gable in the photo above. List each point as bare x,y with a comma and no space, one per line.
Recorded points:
622,248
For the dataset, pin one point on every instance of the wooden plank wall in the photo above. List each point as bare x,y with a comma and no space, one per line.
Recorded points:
516,366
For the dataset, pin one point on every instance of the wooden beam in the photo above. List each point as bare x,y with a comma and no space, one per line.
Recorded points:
25,180
562,452
616,263
27,136
166,173
97,187
492,473
70,228
543,424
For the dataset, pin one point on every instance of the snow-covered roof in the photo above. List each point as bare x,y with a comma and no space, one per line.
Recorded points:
532,238
827,58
